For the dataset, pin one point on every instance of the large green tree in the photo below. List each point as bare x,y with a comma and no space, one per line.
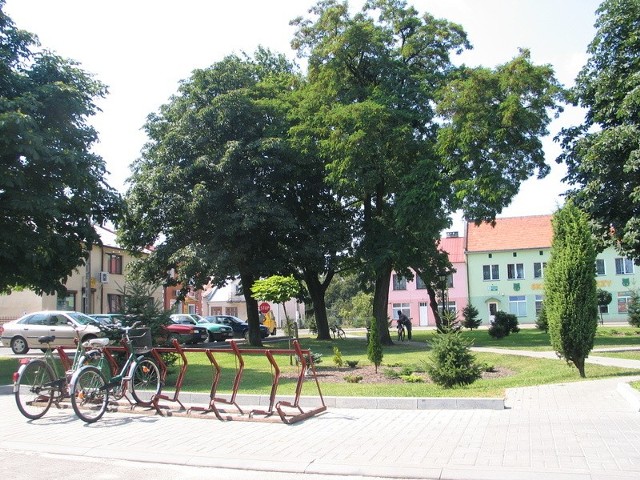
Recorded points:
570,293
602,154
407,137
52,188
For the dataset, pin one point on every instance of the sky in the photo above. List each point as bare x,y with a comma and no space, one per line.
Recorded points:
142,49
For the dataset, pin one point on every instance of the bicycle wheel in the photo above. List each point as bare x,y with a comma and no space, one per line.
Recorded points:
89,397
145,381
401,334
341,333
34,389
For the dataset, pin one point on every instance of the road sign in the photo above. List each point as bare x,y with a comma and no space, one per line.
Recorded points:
264,307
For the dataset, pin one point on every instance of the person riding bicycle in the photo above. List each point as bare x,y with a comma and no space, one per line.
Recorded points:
404,321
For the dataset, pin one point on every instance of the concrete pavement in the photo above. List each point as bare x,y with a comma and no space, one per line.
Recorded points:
573,431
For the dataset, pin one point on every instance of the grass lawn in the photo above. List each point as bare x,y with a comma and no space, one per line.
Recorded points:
520,371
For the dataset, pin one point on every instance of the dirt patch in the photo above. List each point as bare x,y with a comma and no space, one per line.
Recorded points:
385,374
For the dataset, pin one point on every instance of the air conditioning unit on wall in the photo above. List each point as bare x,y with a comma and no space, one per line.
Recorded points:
103,277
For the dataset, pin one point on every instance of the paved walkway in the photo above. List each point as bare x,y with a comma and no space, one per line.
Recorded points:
573,431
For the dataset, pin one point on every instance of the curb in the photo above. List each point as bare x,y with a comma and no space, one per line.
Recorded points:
379,403
630,394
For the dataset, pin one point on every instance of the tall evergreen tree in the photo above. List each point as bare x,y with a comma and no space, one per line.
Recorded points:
570,300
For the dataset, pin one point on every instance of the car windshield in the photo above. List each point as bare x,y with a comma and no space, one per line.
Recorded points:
81,318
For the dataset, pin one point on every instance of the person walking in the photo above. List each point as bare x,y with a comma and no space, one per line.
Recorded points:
404,320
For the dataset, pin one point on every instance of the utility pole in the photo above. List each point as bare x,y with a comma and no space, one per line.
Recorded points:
87,287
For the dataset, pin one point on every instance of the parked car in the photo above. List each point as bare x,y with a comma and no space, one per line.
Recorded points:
23,334
240,327
216,332
108,319
185,330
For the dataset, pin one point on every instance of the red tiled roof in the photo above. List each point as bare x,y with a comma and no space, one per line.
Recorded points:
513,233
454,246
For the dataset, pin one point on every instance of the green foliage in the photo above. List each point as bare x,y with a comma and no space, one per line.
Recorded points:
351,378
452,362
503,324
352,363
570,287
337,357
603,150
541,321
347,304
374,347
412,378
402,130
633,311
604,299
52,187
276,288
470,317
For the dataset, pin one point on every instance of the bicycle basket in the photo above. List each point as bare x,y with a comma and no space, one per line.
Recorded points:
141,341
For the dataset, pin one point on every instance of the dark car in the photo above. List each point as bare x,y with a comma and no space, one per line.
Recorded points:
108,319
240,327
185,331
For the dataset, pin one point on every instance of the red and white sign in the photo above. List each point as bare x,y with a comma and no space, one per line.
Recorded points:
264,307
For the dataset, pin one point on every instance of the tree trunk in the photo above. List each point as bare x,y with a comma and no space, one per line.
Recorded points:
317,291
253,318
579,363
434,307
380,302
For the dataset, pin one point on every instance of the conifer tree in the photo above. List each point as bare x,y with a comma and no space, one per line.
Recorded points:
570,287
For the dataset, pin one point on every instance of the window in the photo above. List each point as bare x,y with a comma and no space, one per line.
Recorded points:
115,263
603,308
624,299
420,285
403,307
490,272
538,269
515,271
399,282
624,266
233,311
68,302
115,303
451,307
518,305
538,304
600,267
450,280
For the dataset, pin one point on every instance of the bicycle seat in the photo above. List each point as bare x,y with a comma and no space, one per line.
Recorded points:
47,339
96,343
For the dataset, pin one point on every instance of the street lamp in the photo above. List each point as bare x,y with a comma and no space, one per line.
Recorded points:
443,285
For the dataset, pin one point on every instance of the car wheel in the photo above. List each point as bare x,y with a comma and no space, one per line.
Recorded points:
246,335
211,337
172,337
19,345
273,332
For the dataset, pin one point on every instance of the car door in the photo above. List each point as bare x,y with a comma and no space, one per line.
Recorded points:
34,327
60,328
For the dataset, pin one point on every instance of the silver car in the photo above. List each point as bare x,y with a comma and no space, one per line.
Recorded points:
23,334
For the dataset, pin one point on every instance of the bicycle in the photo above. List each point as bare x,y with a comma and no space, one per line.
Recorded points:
401,332
39,383
337,331
90,390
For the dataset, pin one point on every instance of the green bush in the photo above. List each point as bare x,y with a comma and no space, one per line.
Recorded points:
337,357
452,362
353,378
412,378
541,320
503,324
470,317
352,363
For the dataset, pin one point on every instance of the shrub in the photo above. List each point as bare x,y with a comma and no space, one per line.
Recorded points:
541,320
353,378
412,378
470,317
337,357
503,324
452,362
353,363
391,373
633,310
374,349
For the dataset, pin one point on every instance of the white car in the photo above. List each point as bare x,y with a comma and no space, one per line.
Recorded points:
23,334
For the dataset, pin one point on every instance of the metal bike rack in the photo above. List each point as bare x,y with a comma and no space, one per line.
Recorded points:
287,412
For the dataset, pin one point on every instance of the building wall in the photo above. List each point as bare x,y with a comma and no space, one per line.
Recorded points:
18,303
415,303
516,295
523,296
